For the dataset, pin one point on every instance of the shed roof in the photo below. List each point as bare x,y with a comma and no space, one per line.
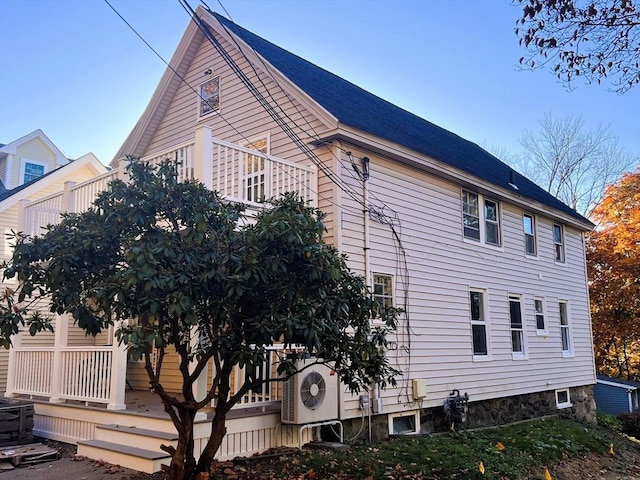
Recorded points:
620,381
356,107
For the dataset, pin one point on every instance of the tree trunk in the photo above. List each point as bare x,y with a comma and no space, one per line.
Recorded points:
218,431
183,463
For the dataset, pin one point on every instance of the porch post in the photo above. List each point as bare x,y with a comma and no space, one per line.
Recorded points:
61,335
22,215
123,163
203,156
200,385
68,199
118,374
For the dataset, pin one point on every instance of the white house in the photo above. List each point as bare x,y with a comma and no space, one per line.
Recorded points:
32,168
489,268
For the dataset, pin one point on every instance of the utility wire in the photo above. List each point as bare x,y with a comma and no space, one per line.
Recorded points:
181,77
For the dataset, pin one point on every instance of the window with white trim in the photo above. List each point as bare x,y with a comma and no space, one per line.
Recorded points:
480,218
209,97
478,322
383,289
32,171
563,398
516,326
529,226
539,307
255,169
404,423
565,328
558,242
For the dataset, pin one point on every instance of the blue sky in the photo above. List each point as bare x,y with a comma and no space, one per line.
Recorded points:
73,68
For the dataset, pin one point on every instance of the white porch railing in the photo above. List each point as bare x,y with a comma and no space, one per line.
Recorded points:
266,393
238,173
87,373
40,213
248,176
84,194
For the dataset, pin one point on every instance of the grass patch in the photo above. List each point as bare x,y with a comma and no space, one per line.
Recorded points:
512,452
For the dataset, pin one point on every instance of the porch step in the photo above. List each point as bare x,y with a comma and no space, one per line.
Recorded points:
147,461
135,437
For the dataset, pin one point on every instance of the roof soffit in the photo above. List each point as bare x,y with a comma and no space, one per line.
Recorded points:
88,159
446,171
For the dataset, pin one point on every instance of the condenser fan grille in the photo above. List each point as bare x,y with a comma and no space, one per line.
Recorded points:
312,390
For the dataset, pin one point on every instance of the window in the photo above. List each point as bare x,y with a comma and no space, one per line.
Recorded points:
517,328
478,324
404,423
255,169
563,399
492,226
383,289
565,332
541,326
470,215
32,171
209,97
480,218
558,240
529,226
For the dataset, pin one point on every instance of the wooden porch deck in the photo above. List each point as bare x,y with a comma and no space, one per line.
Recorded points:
132,437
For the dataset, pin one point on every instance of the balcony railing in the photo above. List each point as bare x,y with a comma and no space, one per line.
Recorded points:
239,174
96,374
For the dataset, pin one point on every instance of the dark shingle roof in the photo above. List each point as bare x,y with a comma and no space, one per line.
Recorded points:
353,106
628,383
8,193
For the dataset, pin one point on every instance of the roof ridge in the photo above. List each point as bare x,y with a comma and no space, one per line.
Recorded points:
354,106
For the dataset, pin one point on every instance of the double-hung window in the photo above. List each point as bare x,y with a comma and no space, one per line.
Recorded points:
529,225
541,325
516,326
383,289
480,218
565,332
478,322
209,97
558,241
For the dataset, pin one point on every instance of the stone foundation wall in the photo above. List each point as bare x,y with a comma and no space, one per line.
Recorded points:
487,413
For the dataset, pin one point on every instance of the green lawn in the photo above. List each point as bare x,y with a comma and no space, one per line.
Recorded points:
514,452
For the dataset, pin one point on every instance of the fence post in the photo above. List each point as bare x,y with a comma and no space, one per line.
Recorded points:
61,335
203,156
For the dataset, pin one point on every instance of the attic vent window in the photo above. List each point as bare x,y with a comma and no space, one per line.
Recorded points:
209,97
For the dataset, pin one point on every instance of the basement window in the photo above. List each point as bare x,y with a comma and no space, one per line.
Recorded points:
563,399
405,423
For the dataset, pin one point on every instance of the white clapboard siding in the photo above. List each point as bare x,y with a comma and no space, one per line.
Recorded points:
442,268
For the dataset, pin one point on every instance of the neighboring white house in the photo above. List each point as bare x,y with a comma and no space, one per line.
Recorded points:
32,168
489,268
28,158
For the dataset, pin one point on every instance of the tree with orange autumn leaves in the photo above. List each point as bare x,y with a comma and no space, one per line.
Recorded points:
613,260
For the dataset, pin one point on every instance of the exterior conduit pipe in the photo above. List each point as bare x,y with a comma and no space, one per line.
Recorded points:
367,276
